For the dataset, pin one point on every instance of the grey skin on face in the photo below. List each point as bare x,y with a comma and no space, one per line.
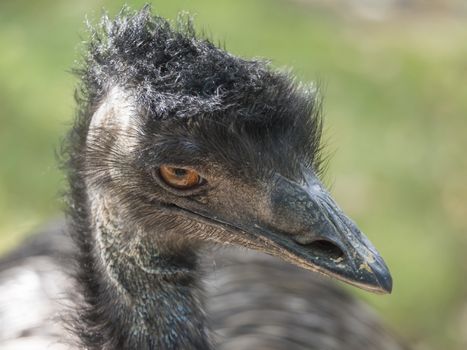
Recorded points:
299,222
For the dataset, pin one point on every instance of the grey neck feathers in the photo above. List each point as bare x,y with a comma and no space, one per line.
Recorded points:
147,298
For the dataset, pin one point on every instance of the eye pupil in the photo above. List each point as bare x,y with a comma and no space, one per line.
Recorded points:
180,172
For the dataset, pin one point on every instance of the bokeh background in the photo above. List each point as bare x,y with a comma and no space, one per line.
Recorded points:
394,76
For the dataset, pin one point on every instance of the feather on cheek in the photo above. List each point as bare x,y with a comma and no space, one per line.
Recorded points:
116,115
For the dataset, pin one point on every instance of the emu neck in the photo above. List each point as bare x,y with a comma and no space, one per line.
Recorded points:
147,297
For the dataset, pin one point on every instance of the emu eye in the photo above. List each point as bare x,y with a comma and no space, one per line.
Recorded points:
179,178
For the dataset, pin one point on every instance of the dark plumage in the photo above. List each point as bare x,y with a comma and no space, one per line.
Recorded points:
253,302
154,95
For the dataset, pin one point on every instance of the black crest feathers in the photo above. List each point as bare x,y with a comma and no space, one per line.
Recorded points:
174,73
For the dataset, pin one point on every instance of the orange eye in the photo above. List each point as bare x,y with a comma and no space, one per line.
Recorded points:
180,178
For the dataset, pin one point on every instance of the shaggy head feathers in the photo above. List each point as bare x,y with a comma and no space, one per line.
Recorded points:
173,74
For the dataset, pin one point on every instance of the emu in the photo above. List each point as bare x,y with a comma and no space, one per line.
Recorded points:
179,147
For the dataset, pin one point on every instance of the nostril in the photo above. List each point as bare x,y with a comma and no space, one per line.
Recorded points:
326,249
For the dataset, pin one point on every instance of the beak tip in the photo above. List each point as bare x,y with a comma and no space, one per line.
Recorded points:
385,282
383,277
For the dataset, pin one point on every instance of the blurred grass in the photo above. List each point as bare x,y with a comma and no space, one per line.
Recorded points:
396,106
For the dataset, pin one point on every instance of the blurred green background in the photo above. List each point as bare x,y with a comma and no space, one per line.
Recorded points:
394,76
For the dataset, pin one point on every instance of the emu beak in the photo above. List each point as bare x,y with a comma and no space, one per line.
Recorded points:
305,227
320,237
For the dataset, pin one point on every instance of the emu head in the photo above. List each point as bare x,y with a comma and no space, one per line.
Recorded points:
185,144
